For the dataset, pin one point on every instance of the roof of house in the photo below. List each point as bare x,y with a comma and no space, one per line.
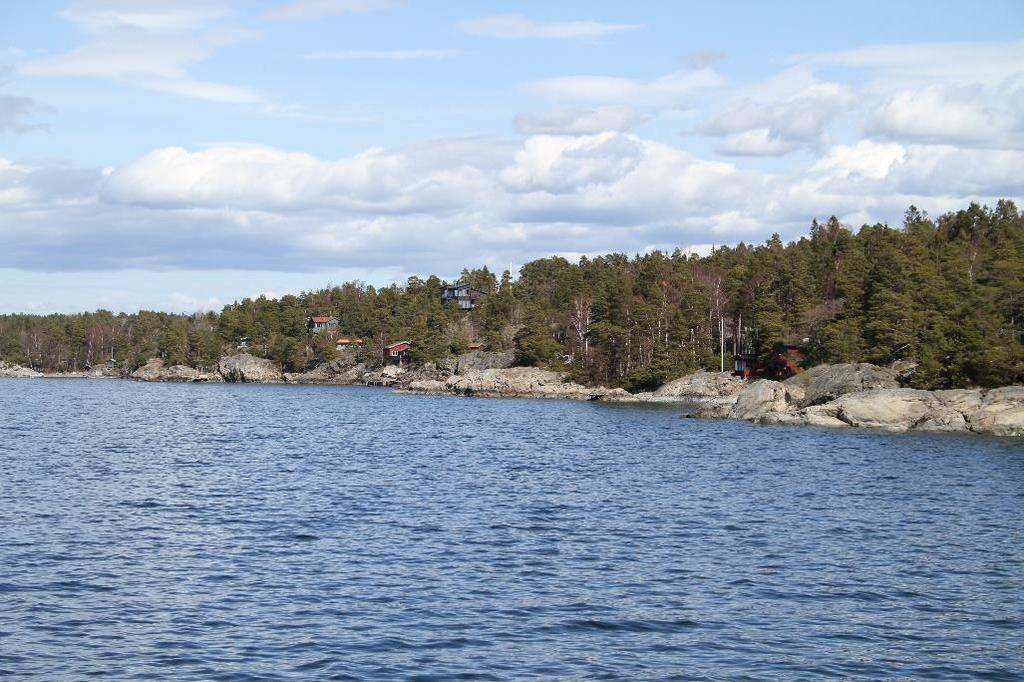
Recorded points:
398,343
345,339
321,319
453,287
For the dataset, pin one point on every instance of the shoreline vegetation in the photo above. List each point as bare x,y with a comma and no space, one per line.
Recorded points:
943,296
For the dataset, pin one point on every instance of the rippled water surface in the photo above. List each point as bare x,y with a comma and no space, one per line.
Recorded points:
187,532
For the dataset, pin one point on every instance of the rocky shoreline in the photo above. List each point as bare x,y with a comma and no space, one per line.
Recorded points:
843,396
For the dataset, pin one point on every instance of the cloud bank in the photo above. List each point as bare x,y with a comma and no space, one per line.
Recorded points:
440,204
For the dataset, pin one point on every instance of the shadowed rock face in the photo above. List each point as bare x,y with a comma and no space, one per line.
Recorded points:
827,382
478,360
245,368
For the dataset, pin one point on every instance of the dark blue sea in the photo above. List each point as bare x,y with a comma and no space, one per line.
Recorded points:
238,532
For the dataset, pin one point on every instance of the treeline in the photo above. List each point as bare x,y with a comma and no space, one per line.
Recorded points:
947,294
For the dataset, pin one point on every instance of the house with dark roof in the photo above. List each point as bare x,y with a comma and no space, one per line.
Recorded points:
463,296
319,323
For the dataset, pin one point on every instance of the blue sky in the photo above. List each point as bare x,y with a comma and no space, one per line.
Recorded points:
177,155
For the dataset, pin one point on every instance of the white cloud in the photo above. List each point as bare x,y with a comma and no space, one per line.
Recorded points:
314,9
576,121
959,172
763,126
191,304
940,114
659,91
941,93
864,160
558,165
966,94
755,142
519,26
418,178
147,48
394,55
440,204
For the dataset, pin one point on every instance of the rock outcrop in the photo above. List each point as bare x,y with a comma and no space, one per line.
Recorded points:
474,360
109,370
335,372
389,375
245,368
517,382
155,370
824,383
1001,412
479,360
18,372
892,409
712,394
767,402
998,412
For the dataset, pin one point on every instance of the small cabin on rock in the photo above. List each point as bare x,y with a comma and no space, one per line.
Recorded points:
398,354
463,296
318,323
780,363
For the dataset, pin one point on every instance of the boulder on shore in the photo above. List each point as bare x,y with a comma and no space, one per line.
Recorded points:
825,383
389,375
767,402
518,382
515,381
154,370
893,409
245,368
334,372
997,412
427,386
1001,412
710,394
17,371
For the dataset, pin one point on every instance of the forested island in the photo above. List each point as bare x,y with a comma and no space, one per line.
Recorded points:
945,293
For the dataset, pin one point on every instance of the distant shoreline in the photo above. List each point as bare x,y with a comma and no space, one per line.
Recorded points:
841,396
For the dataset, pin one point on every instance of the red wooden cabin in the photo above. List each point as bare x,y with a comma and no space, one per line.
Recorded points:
781,362
398,353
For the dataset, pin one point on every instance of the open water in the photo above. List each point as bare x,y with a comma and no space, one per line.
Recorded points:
238,532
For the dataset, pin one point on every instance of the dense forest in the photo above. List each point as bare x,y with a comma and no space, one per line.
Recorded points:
946,293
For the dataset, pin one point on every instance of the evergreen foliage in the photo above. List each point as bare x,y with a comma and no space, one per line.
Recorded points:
946,293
